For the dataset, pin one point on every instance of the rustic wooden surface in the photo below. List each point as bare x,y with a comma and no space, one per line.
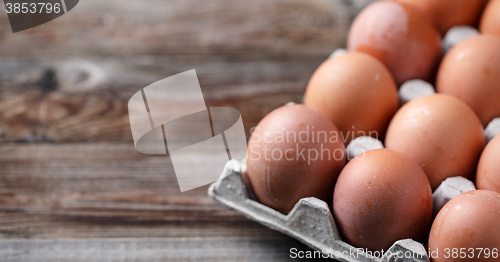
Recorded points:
73,187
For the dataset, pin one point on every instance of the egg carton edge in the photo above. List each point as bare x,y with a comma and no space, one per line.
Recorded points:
311,222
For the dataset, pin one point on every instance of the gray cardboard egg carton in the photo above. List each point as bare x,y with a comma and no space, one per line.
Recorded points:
312,223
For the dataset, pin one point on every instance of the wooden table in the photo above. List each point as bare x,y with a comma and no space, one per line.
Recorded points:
72,185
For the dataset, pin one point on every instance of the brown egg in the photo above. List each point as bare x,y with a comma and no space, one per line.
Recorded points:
488,169
400,36
490,21
381,197
469,225
294,152
439,132
356,92
470,71
448,13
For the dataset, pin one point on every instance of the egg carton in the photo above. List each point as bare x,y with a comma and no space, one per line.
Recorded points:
311,222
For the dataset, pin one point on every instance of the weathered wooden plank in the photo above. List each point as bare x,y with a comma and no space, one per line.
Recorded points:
105,190
109,222
150,249
70,79
30,114
188,27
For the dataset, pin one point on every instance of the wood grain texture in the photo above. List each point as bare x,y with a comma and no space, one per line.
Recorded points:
151,249
103,190
79,191
112,199
220,28
69,80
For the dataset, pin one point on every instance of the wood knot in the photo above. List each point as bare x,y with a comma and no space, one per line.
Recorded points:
80,76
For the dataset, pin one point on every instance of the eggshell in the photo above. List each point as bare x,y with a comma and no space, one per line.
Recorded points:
380,197
488,169
448,13
400,36
356,92
470,71
294,152
469,222
490,21
439,132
